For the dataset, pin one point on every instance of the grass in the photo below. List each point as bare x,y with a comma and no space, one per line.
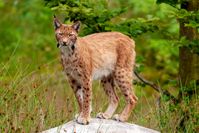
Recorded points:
40,99
34,93
33,101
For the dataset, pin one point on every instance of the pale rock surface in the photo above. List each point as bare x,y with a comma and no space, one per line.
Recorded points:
100,126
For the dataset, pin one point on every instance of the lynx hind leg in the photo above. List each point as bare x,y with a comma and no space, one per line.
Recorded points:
123,78
108,85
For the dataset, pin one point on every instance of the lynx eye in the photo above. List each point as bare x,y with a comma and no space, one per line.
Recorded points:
60,34
70,34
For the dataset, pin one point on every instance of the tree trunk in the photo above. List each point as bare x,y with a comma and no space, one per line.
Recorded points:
189,61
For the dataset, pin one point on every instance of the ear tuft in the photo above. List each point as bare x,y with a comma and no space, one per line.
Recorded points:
57,23
76,26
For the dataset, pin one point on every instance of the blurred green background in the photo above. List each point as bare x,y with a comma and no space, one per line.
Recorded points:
34,93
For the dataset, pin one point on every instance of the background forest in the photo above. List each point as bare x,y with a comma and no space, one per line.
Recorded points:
34,94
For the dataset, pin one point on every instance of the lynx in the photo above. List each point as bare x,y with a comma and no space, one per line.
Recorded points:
108,57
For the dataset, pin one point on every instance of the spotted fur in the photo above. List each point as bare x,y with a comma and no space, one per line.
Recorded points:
107,56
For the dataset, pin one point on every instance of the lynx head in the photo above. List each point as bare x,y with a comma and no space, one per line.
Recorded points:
66,35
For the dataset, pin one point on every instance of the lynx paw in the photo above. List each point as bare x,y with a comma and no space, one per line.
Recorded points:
82,120
102,116
117,117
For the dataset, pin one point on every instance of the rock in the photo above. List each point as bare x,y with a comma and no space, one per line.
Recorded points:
100,126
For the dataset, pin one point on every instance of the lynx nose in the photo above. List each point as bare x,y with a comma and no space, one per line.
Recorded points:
64,43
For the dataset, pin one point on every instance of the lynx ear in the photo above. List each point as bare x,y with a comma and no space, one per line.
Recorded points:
57,23
76,26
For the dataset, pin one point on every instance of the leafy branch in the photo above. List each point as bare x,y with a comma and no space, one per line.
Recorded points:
155,87
192,45
101,18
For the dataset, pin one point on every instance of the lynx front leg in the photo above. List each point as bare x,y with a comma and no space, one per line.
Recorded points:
108,85
84,117
77,89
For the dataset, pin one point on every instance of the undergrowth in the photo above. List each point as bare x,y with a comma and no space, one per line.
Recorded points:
32,101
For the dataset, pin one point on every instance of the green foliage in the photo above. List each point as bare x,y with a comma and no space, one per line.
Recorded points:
170,2
192,45
189,18
133,27
95,16
34,95
99,17
24,31
181,113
